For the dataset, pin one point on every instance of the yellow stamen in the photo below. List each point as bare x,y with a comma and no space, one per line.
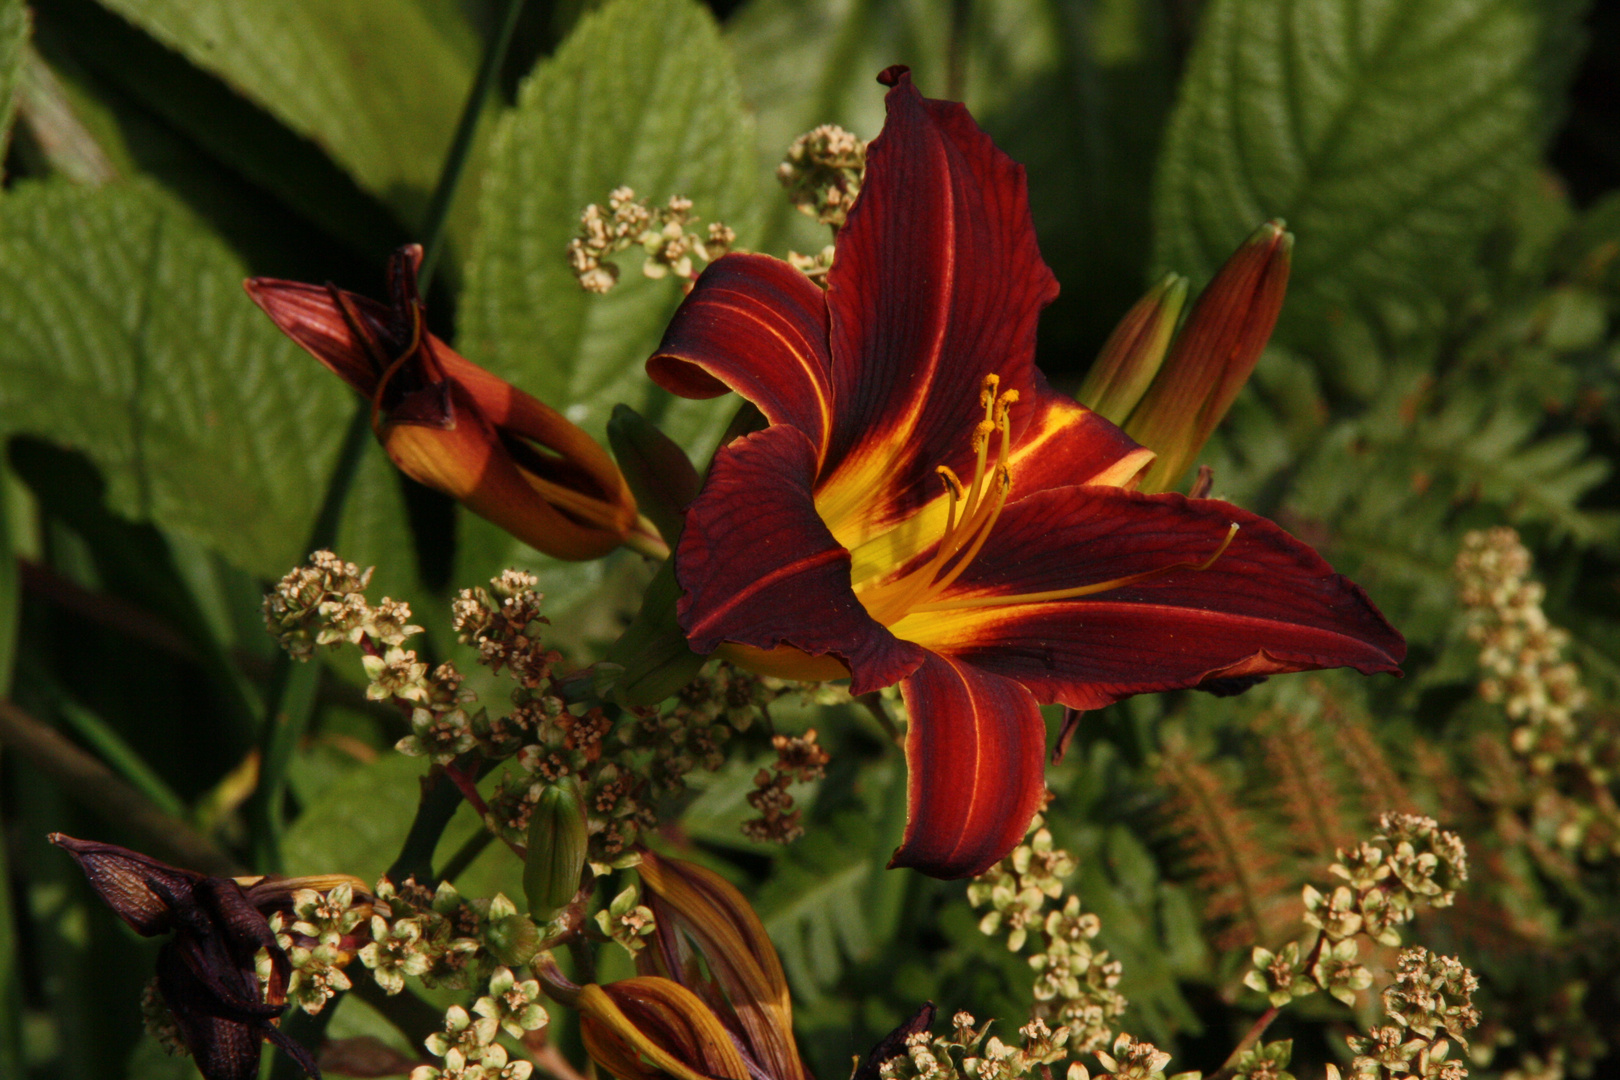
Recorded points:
1082,590
969,516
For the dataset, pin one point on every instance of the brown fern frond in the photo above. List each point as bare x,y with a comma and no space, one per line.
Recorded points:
1381,786
1307,790
1440,772
1244,891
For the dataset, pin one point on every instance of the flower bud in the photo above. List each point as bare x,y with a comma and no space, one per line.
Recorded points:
515,939
658,471
1131,356
556,853
449,424
1212,356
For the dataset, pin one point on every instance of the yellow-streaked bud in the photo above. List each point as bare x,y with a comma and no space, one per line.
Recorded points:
556,851
1212,356
1131,356
453,426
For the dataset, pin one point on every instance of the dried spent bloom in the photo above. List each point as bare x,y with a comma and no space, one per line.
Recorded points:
219,1000
822,172
797,758
664,236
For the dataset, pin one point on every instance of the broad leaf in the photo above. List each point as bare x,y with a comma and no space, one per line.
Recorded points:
377,84
124,333
641,94
13,36
1386,133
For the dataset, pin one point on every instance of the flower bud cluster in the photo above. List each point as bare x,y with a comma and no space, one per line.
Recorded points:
1075,983
627,920
1571,755
797,757
320,935
324,603
469,1047
1521,652
442,939
1431,1004
1410,862
968,1053
822,173
664,235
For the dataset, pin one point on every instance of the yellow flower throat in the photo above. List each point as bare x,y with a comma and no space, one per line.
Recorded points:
972,512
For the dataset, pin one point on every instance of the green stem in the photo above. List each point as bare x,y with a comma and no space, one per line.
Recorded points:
438,211
290,697
464,856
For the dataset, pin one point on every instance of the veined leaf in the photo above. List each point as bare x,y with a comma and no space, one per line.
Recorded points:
13,36
124,333
641,94
1386,133
377,84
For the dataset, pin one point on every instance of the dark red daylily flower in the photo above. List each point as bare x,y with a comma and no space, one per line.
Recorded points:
206,972
923,509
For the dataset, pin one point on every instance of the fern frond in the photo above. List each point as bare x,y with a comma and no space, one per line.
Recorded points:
1244,890
1306,790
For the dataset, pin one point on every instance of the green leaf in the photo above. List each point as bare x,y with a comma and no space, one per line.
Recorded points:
377,84
642,94
13,37
1386,133
124,333
357,824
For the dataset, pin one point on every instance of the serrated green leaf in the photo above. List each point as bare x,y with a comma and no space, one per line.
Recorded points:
13,36
377,84
641,94
1386,133
124,333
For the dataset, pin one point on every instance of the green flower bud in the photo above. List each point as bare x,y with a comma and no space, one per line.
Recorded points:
556,856
514,940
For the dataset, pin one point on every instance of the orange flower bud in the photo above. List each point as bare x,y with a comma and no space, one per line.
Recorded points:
1212,356
449,424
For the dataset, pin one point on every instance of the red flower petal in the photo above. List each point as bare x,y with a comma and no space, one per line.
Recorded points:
755,325
1268,604
938,282
975,749
760,568
1063,443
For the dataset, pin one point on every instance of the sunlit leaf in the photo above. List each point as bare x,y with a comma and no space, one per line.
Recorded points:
377,84
1385,133
124,333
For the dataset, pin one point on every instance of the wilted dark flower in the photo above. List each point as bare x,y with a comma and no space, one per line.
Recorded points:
207,973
